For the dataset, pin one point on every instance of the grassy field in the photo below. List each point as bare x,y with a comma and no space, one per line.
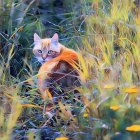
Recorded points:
107,35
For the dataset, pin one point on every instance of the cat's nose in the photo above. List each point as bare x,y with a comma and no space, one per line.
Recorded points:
43,58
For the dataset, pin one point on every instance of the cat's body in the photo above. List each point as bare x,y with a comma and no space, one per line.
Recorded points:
57,74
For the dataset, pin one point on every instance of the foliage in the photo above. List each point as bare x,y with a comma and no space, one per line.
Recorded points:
106,33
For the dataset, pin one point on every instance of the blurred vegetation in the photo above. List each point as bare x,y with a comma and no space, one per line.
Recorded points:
106,33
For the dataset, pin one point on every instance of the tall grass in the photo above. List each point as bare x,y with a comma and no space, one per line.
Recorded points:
111,50
108,40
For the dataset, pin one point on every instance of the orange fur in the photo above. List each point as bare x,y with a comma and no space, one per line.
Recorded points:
66,55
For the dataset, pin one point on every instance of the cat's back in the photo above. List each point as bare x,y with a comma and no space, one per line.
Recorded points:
60,70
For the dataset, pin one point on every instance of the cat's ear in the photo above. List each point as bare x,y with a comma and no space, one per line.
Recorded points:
55,46
36,37
55,39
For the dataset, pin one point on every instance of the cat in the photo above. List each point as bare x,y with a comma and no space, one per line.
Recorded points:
57,74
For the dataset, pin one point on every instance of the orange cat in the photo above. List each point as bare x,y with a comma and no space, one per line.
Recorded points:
57,75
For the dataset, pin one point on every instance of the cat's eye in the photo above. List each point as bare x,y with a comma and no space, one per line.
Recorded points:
50,52
39,51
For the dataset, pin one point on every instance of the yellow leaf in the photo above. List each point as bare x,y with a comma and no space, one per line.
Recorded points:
115,107
47,94
62,138
132,90
84,68
133,128
31,105
108,86
85,115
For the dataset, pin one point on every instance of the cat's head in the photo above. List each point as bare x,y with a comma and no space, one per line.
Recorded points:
46,49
